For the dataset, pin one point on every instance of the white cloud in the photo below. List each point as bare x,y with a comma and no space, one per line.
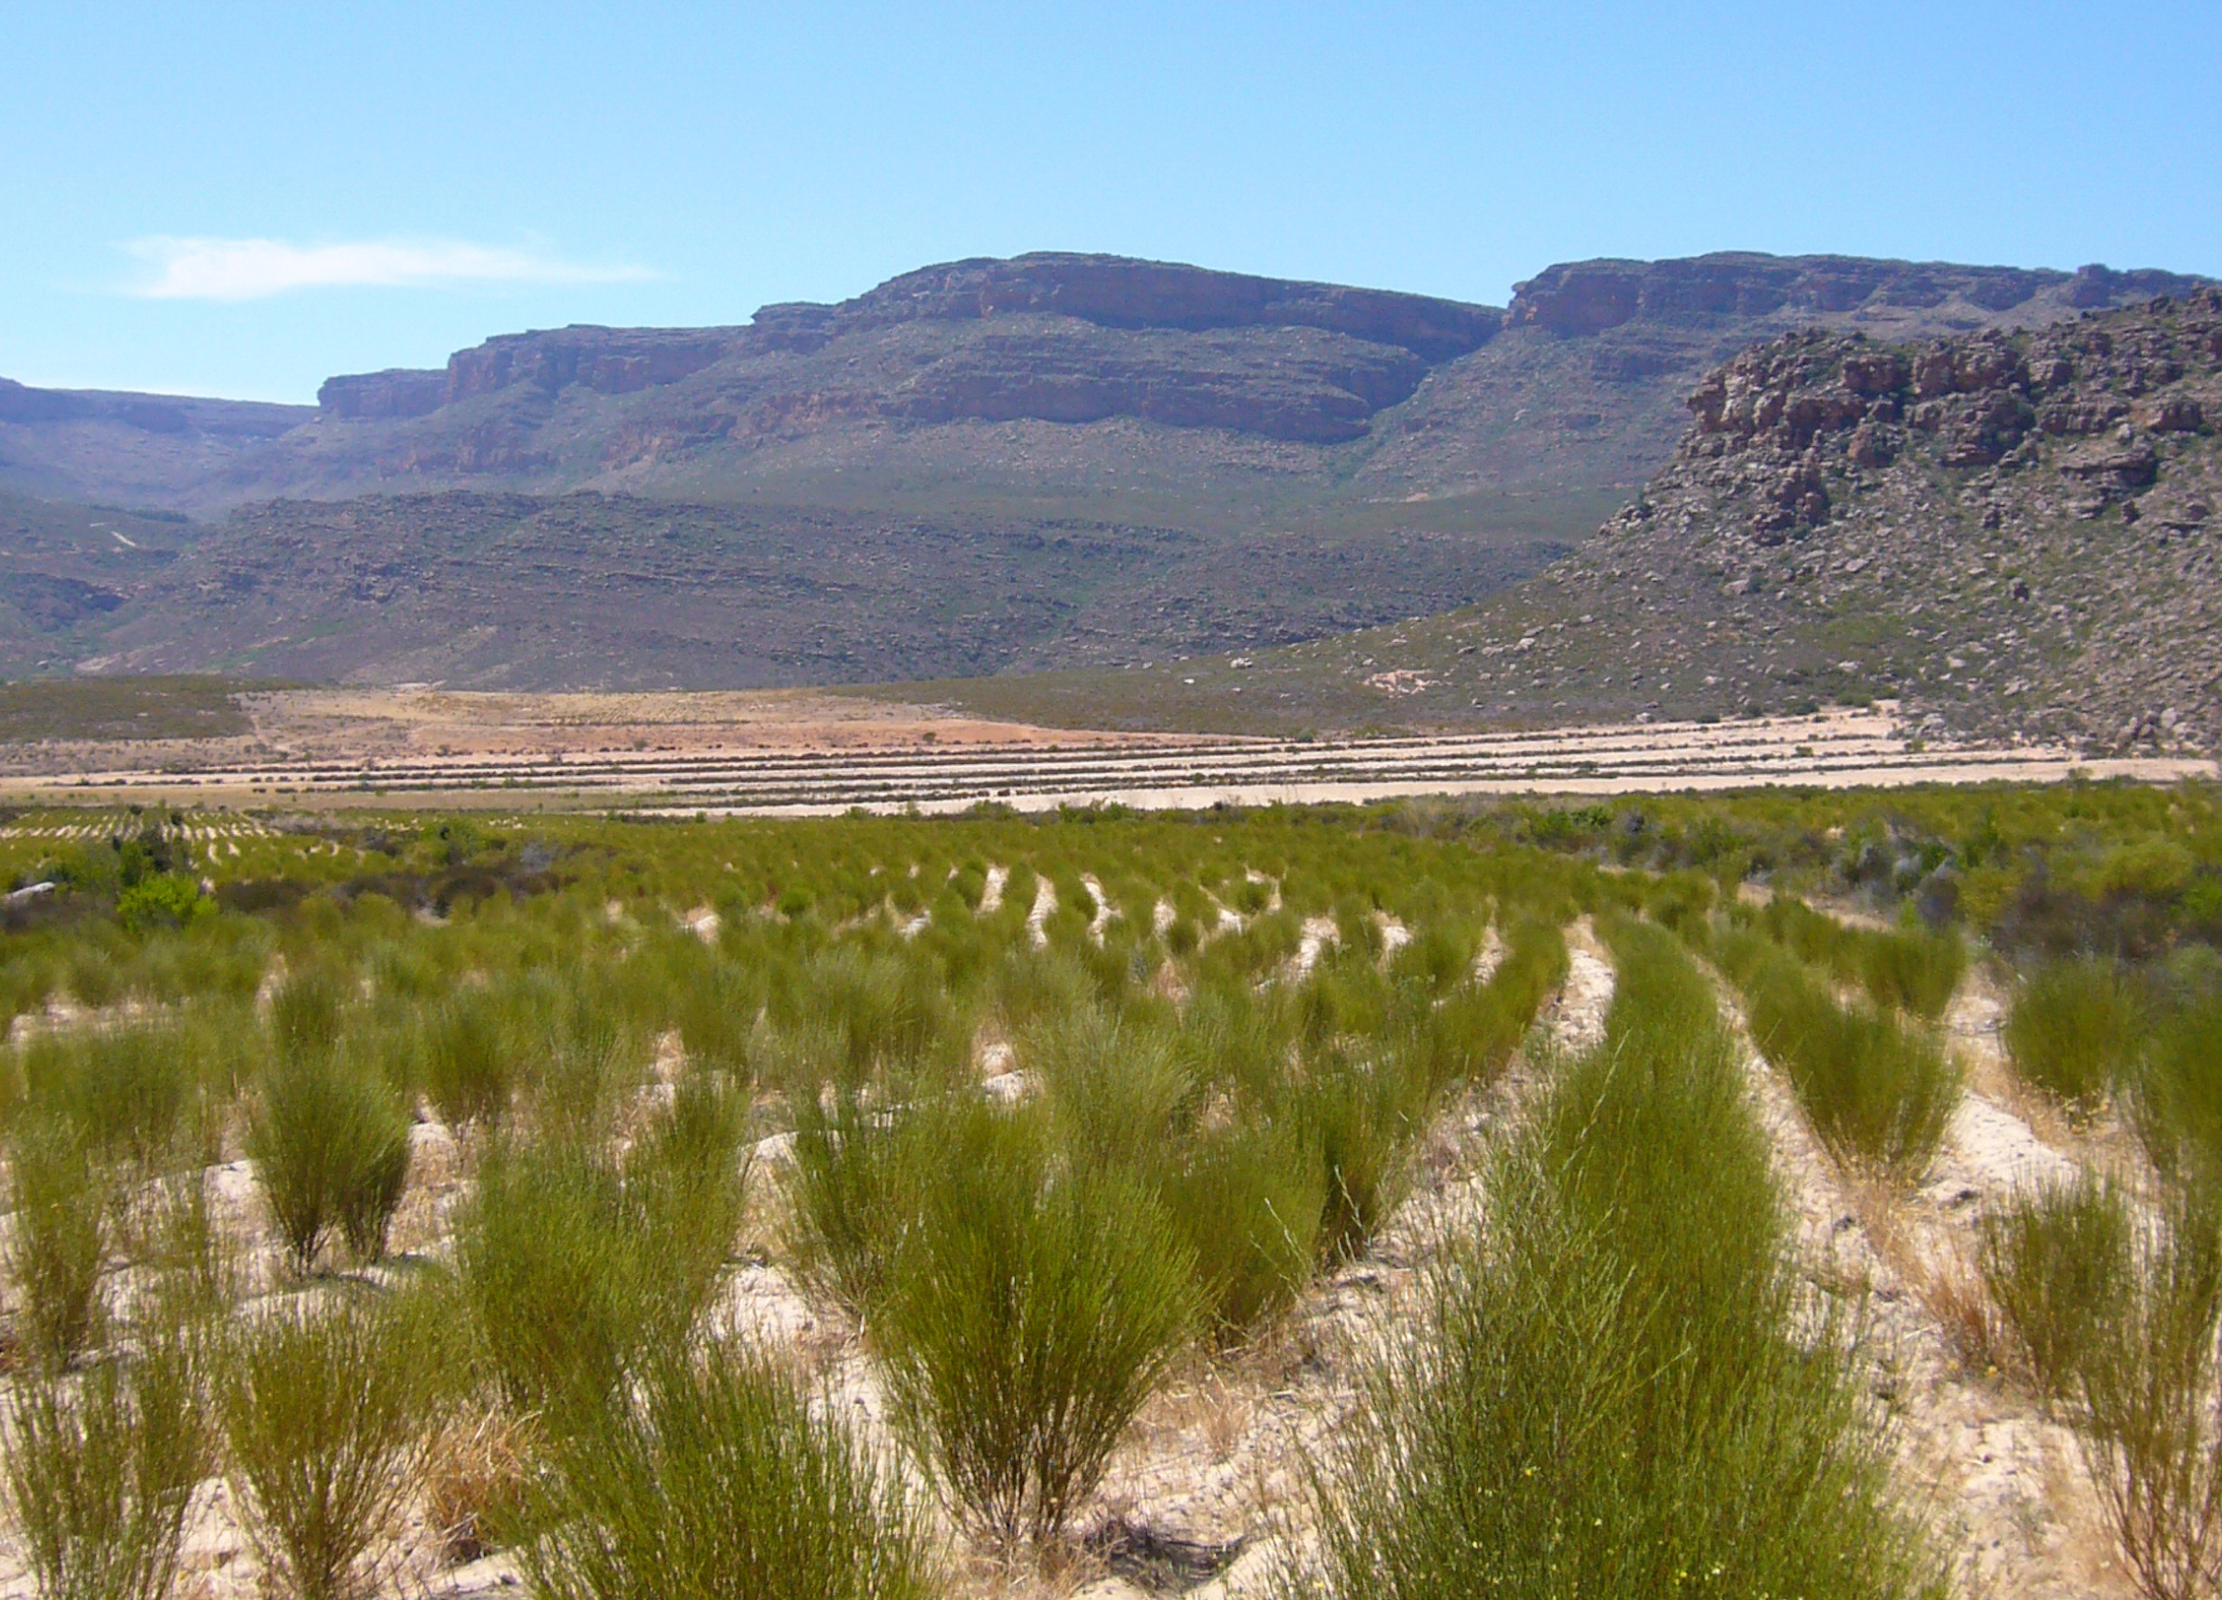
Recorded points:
253,269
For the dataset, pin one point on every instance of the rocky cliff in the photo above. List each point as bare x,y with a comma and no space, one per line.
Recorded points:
2015,534
1059,379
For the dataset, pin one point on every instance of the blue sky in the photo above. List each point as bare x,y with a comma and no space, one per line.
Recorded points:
242,199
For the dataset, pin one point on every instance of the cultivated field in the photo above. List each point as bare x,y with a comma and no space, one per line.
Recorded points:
801,753
1426,1199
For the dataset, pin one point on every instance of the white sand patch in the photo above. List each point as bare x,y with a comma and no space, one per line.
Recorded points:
991,897
1045,904
1317,934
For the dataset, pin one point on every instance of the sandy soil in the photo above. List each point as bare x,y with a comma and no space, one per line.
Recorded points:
803,753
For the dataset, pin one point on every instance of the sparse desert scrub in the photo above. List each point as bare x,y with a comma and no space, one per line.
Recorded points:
2074,1029
98,1470
1026,1321
1604,1396
323,1410
714,1479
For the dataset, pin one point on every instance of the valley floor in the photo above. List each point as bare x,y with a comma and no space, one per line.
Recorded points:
800,753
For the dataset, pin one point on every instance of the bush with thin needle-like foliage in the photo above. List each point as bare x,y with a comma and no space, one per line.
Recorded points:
1115,1084
469,1068
2059,1264
2176,1095
712,1480
1605,1395
570,1266
1914,969
330,1144
1249,1199
97,1474
1878,1088
2074,1029
323,1411
1027,1321
59,1240
854,1191
2149,1429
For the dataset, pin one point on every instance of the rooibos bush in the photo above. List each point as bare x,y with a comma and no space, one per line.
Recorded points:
2074,1029
853,1193
97,1480
1605,1396
713,1479
55,1249
469,1070
1875,1086
1911,968
570,1267
2177,1100
323,1411
1026,1323
2149,1425
1249,1200
2058,1264
330,1144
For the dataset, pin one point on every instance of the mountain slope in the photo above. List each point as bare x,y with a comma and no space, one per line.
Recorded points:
988,467
2014,534
1058,380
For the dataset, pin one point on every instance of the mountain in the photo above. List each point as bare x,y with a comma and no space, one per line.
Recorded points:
2015,534
898,485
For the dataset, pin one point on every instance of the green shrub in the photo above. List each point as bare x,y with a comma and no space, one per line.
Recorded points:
1604,1396
1116,1085
97,1475
570,1267
2058,1264
855,1189
714,1480
2176,1104
127,1091
1911,968
1877,1088
59,1239
330,1144
469,1069
323,1411
2148,1425
2074,1029
1248,1199
163,901
1026,1323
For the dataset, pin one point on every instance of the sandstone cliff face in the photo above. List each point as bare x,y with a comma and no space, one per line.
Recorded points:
2016,533
1057,380
1586,297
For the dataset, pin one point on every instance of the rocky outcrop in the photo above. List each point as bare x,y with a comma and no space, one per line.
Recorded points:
149,413
2017,533
1116,292
1035,358
396,392
605,360
1588,297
